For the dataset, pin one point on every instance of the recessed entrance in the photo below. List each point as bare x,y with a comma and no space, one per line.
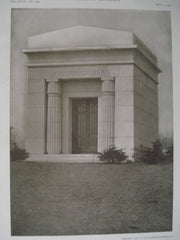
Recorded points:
84,125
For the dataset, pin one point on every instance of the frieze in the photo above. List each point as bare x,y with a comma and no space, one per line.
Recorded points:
87,73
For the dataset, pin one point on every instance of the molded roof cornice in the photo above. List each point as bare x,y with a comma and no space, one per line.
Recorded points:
81,38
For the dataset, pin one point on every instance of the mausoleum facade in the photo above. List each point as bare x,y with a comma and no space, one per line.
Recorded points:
89,88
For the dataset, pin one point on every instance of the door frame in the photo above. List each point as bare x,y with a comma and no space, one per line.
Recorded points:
68,94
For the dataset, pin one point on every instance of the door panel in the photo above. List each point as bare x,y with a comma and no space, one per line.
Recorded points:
84,125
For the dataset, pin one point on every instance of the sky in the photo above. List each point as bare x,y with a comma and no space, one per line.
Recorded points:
152,27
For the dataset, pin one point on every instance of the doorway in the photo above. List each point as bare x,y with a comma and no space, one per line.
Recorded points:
84,125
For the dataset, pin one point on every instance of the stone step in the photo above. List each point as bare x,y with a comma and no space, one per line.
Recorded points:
86,158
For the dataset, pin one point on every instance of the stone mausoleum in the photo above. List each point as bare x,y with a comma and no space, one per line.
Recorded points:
89,88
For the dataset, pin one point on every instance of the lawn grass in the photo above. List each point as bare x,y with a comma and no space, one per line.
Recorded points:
91,198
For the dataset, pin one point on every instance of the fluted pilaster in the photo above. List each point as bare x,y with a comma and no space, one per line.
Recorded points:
54,118
106,124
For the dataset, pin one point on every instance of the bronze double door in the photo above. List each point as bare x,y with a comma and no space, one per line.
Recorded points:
84,125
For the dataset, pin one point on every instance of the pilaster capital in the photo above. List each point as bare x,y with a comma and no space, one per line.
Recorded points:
108,85
52,80
107,78
54,87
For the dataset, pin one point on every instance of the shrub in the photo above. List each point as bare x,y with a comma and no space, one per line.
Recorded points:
157,152
151,155
113,155
166,141
140,153
169,153
16,152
